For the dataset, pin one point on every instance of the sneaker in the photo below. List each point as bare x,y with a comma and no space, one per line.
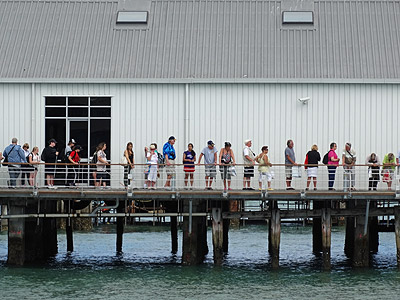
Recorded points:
229,189
306,189
250,189
270,189
290,189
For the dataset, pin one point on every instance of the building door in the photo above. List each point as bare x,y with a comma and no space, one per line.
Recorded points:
78,130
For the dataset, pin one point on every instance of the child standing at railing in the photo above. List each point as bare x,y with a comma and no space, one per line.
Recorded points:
152,158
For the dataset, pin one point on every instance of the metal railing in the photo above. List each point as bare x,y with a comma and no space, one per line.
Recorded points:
216,177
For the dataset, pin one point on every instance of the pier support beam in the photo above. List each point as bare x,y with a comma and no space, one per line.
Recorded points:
317,229
361,243
373,232
174,235
69,233
274,237
120,228
397,233
31,240
217,235
326,227
194,246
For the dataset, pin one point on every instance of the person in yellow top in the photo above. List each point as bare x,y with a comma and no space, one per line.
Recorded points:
264,168
389,165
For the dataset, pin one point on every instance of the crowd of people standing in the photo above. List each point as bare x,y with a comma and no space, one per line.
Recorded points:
26,163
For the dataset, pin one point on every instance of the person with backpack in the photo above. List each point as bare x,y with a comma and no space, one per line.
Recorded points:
73,170
348,162
332,161
189,157
13,153
49,156
170,156
312,158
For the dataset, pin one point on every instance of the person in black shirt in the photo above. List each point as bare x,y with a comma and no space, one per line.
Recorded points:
313,158
49,156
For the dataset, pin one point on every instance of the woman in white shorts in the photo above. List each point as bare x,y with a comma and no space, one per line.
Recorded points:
312,158
152,158
264,168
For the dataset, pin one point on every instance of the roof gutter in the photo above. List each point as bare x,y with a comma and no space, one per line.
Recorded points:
200,80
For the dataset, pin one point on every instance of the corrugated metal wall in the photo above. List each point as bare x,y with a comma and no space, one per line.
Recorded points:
364,114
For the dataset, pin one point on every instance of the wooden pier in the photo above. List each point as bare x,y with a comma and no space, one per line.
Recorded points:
32,214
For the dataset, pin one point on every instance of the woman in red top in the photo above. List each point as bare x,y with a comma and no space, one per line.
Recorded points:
73,168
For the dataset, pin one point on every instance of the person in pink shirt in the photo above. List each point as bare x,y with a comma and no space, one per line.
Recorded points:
333,162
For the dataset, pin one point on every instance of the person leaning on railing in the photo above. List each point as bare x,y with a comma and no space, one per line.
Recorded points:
373,163
389,165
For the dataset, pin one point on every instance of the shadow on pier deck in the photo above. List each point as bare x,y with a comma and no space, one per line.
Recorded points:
32,213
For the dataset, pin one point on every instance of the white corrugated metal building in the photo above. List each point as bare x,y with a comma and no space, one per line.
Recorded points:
225,70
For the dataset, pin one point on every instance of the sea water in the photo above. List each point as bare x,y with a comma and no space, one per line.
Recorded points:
147,270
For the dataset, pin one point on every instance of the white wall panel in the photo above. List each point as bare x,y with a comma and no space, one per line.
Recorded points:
366,115
15,113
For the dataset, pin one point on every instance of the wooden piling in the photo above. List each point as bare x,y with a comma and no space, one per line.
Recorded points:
174,235
194,245
16,237
120,229
326,229
275,237
70,240
397,233
217,235
317,229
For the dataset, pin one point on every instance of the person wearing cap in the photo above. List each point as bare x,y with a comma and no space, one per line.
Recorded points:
170,156
73,170
210,163
70,146
152,159
13,153
348,162
249,162
49,156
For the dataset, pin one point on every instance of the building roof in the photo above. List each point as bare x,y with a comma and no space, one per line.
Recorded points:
199,39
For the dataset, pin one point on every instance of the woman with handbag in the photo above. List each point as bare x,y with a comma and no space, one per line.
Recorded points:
226,159
264,168
128,162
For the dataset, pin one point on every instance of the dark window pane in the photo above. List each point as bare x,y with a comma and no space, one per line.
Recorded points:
81,101
77,112
78,130
55,129
55,112
100,131
100,101
55,101
100,112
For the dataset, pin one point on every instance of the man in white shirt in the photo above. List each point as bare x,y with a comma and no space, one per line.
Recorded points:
249,162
